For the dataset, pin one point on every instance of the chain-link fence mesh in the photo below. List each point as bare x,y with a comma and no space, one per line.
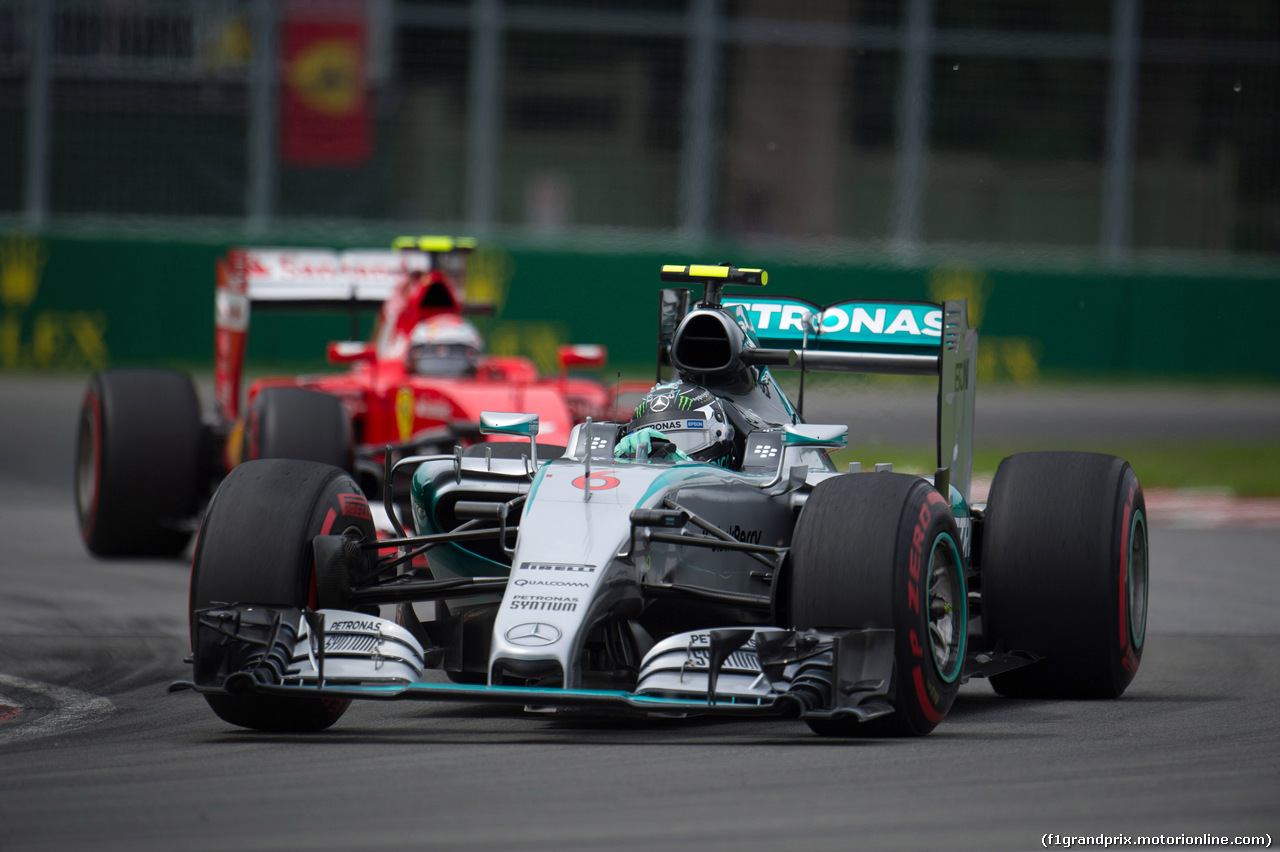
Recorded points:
1001,122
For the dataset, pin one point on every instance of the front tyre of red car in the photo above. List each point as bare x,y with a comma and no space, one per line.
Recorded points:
881,550
1064,573
255,548
140,463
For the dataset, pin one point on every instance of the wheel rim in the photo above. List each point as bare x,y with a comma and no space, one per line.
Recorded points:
1137,579
947,611
87,461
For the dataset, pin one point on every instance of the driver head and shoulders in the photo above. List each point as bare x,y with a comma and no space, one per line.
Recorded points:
444,345
688,416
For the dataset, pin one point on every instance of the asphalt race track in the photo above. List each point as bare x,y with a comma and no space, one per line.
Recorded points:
95,754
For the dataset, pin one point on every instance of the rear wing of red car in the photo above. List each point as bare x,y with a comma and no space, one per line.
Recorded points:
295,278
863,336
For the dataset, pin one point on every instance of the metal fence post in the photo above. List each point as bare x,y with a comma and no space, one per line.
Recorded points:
39,114
484,114
698,159
261,142
912,128
1117,170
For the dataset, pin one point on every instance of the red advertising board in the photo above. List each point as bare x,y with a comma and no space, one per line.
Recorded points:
325,104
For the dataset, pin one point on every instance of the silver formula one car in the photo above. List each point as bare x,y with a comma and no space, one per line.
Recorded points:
705,557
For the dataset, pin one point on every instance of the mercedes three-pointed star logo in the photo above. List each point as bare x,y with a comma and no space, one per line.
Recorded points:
533,633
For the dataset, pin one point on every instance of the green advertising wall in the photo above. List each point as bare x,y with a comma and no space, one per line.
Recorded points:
77,302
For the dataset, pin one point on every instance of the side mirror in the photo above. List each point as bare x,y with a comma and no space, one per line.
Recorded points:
349,351
506,423
589,355
514,426
817,435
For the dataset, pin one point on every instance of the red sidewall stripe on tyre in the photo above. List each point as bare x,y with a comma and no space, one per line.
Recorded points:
1124,571
1128,653
914,591
922,695
95,410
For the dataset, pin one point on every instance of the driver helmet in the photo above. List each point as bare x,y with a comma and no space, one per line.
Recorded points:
444,345
691,417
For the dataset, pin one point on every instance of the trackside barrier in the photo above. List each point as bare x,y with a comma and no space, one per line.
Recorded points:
75,302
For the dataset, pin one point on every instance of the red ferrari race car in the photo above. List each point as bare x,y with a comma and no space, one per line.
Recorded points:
147,458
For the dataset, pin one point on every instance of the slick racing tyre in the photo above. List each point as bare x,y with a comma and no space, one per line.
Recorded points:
255,547
297,423
1064,573
140,463
880,550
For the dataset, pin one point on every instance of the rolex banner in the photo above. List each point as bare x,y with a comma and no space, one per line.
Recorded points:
326,114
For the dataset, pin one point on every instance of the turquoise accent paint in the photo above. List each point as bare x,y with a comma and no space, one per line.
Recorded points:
793,439
537,483
961,606
451,557
525,692
849,326
959,508
767,378
777,323
741,316
502,423
1139,522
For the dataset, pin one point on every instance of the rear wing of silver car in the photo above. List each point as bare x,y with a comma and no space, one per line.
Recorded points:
862,336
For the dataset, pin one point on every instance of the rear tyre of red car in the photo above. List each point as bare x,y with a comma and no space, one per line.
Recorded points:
298,423
255,547
1064,573
140,463
881,550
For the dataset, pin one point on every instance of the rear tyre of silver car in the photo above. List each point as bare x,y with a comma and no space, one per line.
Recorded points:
299,423
140,463
1064,573
255,547
881,550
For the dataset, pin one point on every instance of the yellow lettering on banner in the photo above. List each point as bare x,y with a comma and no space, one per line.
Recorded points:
961,283
504,339
22,258
539,341
543,343
89,332
42,339
10,341
53,340
48,337
1015,359
1021,360
489,273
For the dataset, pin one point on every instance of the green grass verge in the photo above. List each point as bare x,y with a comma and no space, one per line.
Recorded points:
1249,469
